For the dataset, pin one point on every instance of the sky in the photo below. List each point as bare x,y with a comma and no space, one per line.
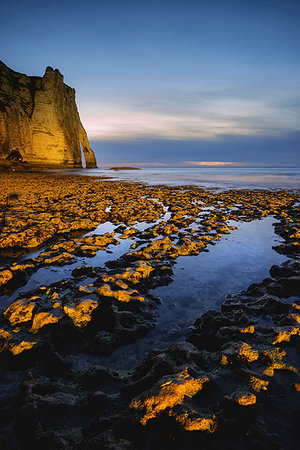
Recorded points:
171,81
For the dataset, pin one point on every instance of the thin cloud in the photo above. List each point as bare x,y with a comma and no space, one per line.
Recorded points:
190,119
212,163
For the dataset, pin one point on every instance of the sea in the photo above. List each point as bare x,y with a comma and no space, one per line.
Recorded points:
208,177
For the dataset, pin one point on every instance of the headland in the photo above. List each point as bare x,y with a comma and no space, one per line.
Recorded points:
39,122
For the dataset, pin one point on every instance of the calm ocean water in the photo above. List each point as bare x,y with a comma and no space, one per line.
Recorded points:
223,177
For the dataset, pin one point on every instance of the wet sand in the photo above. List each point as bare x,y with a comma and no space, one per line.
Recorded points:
234,378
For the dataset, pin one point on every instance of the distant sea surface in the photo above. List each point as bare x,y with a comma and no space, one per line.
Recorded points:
223,177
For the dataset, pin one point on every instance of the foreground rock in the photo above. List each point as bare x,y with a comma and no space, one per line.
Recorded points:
233,383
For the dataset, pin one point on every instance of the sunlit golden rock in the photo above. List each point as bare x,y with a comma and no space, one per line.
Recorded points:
274,359
249,329
286,334
196,424
157,248
81,314
5,337
42,319
296,235
68,246
224,360
170,229
11,240
247,353
258,384
4,334
99,241
87,289
120,295
246,399
188,247
16,349
140,270
56,304
64,257
119,283
25,266
170,394
296,317
19,311
5,276
128,233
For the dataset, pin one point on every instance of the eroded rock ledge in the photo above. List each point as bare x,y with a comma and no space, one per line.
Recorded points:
39,120
234,383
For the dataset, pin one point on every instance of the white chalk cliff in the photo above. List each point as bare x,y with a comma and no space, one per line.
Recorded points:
40,120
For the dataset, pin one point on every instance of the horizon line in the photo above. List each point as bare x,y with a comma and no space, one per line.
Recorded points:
195,164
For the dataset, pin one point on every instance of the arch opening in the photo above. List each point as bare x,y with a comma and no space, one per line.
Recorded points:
83,162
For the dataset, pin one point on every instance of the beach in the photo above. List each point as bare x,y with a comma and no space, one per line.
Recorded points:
149,315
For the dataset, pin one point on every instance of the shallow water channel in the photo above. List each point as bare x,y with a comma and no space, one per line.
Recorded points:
202,282
199,283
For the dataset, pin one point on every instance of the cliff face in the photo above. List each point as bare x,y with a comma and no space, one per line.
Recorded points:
39,118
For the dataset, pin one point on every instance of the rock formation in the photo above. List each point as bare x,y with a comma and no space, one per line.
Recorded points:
39,119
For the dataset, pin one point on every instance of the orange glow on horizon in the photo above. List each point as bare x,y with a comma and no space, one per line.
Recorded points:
212,163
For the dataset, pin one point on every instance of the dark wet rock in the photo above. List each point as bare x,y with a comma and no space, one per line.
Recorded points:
95,375
268,304
233,303
120,229
82,271
115,264
156,365
257,290
52,363
291,250
291,285
225,333
99,401
205,335
185,352
287,269
29,427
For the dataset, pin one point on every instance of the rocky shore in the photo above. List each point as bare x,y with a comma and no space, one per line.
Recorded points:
234,382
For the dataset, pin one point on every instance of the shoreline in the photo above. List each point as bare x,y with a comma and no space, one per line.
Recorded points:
66,320
207,177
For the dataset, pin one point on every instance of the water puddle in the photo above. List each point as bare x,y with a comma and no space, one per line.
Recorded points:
202,282
48,275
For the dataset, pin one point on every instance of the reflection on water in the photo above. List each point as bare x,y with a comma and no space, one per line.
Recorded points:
224,177
47,275
202,282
